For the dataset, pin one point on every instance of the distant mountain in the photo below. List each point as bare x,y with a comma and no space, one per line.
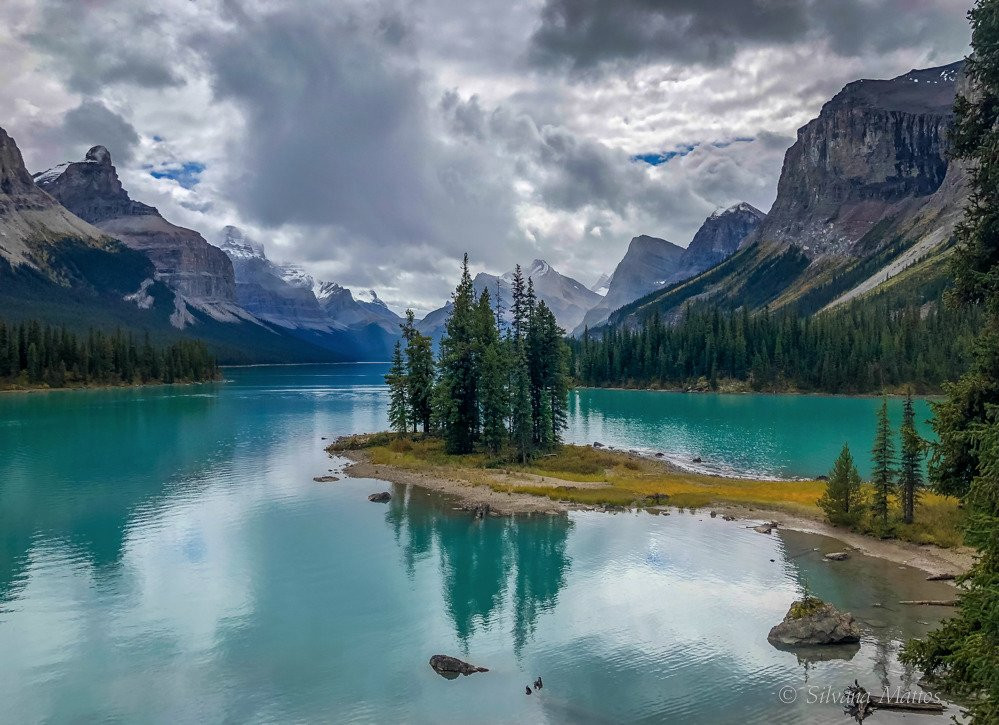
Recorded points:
200,274
58,268
718,238
601,285
647,265
323,312
568,299
867,198
53,261
341,307
269,291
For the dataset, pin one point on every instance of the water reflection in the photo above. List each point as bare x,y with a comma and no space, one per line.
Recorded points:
101,458
478,558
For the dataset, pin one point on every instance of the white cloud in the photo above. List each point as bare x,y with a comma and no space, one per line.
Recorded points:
374,143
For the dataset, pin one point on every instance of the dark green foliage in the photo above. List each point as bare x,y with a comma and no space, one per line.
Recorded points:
398,392
910,469
842,500
32,354
504,393
963,654
456,393
864,347
883,475
419,373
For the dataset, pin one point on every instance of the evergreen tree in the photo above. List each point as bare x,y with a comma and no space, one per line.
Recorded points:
910,472
842,500
456,393
491,385
883,475
963,654
398,392
419,373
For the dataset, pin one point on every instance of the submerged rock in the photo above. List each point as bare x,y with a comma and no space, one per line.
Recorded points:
325,479
380,497
765,528
810,622
451,667
696,459
837,556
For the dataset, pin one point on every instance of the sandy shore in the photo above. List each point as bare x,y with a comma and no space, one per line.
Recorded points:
931,559
467,493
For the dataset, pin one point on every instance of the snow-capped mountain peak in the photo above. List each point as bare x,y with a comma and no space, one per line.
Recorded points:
237,245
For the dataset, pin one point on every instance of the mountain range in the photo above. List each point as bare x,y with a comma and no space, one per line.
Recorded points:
867,200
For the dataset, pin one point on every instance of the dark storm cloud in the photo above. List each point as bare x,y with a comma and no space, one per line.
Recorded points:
584,34
90,53
92,123
339,136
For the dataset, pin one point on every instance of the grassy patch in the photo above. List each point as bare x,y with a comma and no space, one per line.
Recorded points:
615,478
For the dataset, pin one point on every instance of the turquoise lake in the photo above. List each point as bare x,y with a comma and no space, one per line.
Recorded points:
166,557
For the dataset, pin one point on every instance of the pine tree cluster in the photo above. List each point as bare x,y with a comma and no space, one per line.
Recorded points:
845,501
963,653
497,386
33,354
863,348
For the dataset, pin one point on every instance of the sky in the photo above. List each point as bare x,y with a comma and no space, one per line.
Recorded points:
374,142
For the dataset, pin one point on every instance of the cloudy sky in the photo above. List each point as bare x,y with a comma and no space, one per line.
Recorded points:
374,142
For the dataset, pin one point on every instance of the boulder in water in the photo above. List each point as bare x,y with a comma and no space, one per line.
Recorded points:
810,622
451,667
837,556
381,497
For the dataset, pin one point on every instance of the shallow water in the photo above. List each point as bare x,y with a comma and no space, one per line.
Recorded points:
166,557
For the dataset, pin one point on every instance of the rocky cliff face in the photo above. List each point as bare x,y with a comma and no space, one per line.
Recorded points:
262,287
200,272
42,241
648,264
30,218
875,148
718,238
866,193
343,309
287,296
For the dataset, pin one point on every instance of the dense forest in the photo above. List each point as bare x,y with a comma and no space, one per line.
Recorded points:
865,347
35,355
962,655
498,387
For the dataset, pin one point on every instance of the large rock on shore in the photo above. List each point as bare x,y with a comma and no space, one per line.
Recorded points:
451,667
810,621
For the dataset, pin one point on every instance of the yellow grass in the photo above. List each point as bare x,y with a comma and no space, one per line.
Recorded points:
571,475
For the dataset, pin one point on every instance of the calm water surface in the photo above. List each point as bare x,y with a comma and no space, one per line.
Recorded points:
166,557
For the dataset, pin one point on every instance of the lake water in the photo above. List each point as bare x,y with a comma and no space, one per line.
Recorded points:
166,557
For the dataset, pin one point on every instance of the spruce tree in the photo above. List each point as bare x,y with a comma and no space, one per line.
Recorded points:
883,475
491,385
910,472
419,373
963,654
398,392
842,501
456,394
